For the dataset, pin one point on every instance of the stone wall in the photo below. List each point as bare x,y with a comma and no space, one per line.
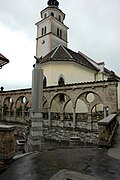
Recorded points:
6,142
63,130
64,134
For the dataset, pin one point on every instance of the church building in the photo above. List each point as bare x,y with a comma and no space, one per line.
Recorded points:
62,65
77,91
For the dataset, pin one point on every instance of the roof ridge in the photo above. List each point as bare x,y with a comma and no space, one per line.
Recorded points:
67,52
63,49
54,52
1,56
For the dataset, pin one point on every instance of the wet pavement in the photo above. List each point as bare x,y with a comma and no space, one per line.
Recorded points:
43,165
73,163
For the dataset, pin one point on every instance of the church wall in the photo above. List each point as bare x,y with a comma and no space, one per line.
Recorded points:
101,76
73,73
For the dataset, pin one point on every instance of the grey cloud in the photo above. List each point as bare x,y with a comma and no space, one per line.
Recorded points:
94,24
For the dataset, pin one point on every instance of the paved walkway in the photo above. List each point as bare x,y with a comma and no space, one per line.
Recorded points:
115,150
84,162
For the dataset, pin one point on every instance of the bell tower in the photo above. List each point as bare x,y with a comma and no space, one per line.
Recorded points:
51,30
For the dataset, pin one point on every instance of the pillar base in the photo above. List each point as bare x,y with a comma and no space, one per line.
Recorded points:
35,139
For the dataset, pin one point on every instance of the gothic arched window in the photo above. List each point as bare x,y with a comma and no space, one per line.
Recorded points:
44,82
61,82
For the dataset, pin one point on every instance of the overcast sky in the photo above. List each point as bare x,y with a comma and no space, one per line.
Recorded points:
94,30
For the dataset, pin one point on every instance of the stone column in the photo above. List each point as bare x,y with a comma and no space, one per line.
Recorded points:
2,113
74,120
15,114
105,111
49,116
89,121
35,141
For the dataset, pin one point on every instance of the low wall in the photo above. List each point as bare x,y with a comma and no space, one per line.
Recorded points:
63,130
6,142
106,130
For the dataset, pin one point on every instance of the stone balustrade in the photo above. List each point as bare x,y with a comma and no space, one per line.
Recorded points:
106,130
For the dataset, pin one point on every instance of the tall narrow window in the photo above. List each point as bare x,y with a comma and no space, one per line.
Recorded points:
60,33
57,31
42,31
45,29
59,18
45,15
61,82
44,82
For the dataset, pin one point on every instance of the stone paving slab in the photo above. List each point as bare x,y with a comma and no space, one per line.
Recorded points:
72,175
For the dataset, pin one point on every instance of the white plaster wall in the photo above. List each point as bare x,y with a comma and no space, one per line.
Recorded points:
56,41
43,48
73,73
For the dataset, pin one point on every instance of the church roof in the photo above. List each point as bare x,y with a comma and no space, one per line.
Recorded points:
62,53
3,60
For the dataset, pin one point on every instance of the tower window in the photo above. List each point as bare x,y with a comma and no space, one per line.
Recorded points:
60,33
61,82
57,31
45,15
45,29
59,18
52,14
42,31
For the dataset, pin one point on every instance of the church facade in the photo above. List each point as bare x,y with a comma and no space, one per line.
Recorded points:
77,91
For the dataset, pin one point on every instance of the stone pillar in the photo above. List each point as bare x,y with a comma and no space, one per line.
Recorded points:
2,113
105,111
15,114
35,141
49,116
74,120
89,121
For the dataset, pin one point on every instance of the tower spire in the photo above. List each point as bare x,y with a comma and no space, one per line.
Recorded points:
53,2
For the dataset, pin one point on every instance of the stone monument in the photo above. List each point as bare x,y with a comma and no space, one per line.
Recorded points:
35,140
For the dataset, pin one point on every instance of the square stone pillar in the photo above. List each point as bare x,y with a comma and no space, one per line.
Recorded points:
35,141
36,131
